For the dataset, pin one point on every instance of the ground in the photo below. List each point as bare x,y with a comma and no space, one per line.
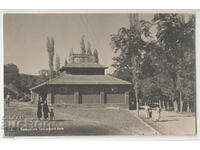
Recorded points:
21,120
172,123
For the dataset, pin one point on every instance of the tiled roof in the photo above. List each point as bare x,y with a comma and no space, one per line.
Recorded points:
67,79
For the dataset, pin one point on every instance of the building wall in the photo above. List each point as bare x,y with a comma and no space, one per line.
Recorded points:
81,58
92,98
64,99
115,98
89,94
85,71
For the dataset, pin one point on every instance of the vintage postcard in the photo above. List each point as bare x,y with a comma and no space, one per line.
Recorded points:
119,74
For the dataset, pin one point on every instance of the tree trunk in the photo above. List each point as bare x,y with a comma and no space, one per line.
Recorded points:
137,101
181,102
167,105
164,104
160,105
175,106
188,107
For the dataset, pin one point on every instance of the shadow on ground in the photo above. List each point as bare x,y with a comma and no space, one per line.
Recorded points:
167,120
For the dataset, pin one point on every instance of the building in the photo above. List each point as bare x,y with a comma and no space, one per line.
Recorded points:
82,81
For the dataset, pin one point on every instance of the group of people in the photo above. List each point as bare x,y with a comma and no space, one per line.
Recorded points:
148,111
44,106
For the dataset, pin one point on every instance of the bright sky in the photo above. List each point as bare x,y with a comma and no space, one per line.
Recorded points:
25,37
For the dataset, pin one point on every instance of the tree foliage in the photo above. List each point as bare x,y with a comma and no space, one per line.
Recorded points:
129,42
22,82
96,55
177,38
11,74
89,51
158,67
57,63
83,49
50,50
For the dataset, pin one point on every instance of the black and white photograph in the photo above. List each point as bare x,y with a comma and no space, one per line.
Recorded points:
99,74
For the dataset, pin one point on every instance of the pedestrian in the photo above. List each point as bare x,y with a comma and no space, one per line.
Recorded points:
157,115
150,112
8,99
51,114
146,107
39,109
45,110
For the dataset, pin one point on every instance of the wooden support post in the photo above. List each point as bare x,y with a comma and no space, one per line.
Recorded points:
77,98
49,98
102,98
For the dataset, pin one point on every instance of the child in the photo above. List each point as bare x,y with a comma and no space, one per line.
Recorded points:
51,114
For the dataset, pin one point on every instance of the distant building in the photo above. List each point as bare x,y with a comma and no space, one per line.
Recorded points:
82,81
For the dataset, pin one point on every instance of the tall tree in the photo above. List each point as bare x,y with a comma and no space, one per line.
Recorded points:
130,42
50,50
177,39
57,63
96,55
83,49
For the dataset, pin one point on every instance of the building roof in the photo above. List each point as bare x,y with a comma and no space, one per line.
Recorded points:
67,79
83,65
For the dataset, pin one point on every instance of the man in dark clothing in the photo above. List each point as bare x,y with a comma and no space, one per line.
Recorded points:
45,110
39,109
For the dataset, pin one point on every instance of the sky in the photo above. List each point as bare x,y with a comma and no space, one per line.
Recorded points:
25,37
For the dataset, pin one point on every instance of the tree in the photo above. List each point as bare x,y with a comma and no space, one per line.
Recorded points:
123,67
57,64
83,50
96,55
11,73
12,76
177,39
131,44
20,83
89,51
50,50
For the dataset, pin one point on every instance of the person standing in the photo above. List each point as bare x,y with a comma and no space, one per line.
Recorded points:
51,114
150,112
39,109
45,110
158,111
